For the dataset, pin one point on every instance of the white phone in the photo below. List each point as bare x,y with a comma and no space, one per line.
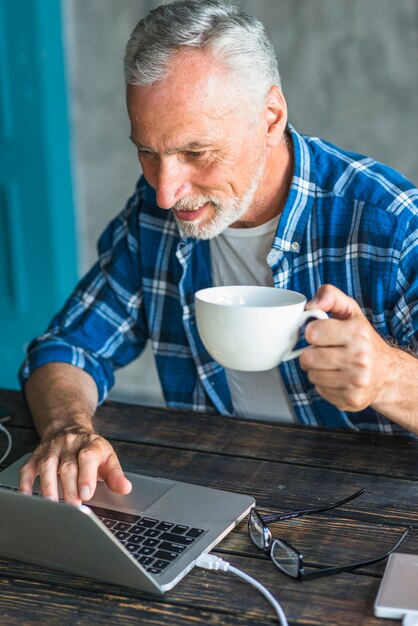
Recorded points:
398,591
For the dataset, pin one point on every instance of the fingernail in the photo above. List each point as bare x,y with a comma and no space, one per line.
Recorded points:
84,492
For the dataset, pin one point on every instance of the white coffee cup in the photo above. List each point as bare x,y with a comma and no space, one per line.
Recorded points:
251,328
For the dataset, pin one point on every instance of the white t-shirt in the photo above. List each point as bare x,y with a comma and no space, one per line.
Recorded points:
238,257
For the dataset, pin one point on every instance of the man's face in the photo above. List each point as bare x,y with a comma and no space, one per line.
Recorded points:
199,143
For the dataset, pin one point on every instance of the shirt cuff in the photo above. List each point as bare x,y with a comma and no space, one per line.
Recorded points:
55,351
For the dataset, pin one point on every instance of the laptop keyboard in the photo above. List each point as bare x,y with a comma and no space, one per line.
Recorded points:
154,543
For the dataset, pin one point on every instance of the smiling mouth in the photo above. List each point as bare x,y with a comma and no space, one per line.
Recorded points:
188,215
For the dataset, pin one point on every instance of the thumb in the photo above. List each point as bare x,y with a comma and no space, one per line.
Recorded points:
332,300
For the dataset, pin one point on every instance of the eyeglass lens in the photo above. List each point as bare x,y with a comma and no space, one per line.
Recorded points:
285,558
256,531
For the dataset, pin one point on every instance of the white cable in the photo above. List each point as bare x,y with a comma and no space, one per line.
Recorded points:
9,443
410,619
212,562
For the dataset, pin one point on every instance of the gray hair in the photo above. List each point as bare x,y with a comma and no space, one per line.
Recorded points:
238,40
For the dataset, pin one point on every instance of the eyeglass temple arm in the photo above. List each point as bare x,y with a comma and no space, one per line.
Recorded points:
326,571
283,516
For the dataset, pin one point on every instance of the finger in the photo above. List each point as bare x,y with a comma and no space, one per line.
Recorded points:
344,399
113,475
27,474
89,460
326,379
332,300
314,358
330,332
68,472
332,395
48,475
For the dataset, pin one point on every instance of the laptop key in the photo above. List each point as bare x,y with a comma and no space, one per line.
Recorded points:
152,543
136,539
146,550
151,532
161,564
172,547
195,532
122,526
165,526
186,541
144,560
121,535
153,570
137,530
131,547
148,522
166,556
109,522
179,529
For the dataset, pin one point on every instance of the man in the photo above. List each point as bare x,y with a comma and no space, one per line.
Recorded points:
231,194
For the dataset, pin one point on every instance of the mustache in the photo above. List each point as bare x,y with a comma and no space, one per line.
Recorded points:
194,203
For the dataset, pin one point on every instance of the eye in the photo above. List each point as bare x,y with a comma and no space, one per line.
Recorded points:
146,154
194,154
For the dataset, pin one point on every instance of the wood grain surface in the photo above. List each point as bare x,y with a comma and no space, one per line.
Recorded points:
283,467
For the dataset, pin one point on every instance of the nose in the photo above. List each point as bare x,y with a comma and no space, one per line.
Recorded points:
172,183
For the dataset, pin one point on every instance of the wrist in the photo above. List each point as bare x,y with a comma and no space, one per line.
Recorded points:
398,397
387,398
75,426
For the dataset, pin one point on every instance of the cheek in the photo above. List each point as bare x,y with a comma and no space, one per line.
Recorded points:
209,177
227,173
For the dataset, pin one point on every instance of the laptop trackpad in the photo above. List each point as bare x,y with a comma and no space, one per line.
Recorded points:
146,490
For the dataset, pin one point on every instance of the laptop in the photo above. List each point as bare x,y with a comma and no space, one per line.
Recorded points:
148,539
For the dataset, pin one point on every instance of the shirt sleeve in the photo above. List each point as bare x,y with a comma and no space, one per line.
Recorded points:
405,318
102,325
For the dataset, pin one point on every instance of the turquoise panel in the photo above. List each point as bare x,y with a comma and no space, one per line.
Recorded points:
37,231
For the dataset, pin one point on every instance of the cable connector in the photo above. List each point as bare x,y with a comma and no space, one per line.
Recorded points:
210,561
410,619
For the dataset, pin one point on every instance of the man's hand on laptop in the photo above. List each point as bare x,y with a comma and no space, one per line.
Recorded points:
63,399
80,458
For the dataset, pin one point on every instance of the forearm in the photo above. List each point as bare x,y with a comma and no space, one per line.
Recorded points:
398,398
61,397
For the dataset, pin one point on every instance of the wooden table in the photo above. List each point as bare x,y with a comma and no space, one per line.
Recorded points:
283,467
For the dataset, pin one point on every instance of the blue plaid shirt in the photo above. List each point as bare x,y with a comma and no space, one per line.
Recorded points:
348,221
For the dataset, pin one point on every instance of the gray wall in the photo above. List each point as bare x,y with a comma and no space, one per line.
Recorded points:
349,70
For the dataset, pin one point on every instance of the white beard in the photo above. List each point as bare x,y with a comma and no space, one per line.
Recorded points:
226,213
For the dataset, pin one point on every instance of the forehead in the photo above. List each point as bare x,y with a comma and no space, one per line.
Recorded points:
197,92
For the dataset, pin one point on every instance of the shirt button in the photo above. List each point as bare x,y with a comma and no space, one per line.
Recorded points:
295,245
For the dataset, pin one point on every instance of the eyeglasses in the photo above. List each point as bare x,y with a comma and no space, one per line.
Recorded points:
289,560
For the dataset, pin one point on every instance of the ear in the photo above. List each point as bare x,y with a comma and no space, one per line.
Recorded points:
275,116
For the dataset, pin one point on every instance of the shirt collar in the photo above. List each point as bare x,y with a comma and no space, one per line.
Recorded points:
300,200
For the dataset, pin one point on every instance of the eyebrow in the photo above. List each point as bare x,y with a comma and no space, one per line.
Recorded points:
193,146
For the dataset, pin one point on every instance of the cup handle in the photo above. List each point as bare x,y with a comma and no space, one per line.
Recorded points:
320,315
